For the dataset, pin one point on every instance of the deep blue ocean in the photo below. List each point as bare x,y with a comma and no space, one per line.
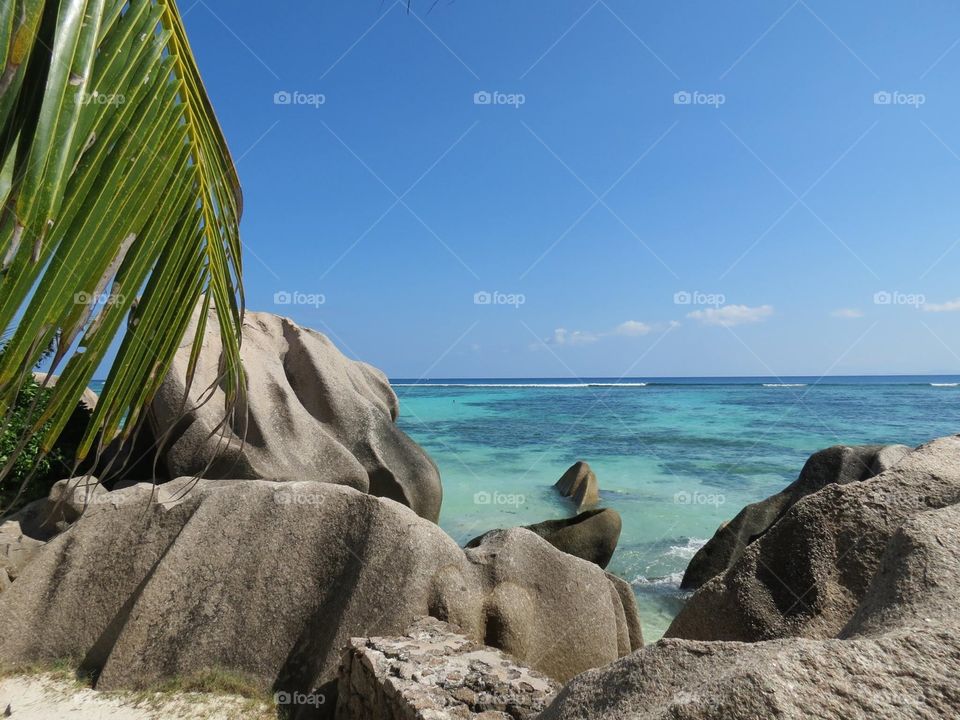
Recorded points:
675,457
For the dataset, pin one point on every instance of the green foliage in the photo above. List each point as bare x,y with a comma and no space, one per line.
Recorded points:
120,210
41,468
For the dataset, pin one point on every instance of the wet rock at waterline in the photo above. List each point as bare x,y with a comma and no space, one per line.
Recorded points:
847,603
839,465
806,575
579,483
591,535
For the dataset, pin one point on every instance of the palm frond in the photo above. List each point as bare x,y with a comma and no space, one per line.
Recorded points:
120,204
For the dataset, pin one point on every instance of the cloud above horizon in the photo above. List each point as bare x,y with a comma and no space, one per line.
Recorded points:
632,328
629,328
847,313
730,315
949,306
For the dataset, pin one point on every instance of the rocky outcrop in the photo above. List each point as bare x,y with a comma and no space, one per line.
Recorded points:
591,535
433,671
21,535
26,531
70,498
806,575
879,562
839,465
271,580
579,483
309,413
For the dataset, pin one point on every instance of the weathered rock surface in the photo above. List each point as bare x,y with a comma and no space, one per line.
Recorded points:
591,535
271,580
579,483
21,535
808,573
839,465
433,672
69,498
897,656
310,413
27,530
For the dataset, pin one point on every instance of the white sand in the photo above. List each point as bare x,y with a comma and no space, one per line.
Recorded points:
47,697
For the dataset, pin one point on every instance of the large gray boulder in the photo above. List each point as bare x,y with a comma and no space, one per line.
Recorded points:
591,535
271,580
310,413
893,645
808,573
839,465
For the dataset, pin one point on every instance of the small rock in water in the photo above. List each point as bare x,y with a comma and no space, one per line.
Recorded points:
580,484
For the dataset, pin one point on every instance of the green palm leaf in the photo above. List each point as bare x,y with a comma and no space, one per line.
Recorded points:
116,186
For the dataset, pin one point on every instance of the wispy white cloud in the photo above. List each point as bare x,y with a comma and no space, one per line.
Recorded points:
629,328
949,306
730,315
847,313
632,328
562,336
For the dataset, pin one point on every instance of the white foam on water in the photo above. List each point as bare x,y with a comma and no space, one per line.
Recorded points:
784,385
670,582
944,384
687,550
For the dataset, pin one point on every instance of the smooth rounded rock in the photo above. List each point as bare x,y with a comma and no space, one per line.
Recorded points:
309,413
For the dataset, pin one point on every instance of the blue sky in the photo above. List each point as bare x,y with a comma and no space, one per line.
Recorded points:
688,188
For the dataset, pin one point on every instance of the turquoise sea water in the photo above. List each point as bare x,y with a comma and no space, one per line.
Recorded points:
675,457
